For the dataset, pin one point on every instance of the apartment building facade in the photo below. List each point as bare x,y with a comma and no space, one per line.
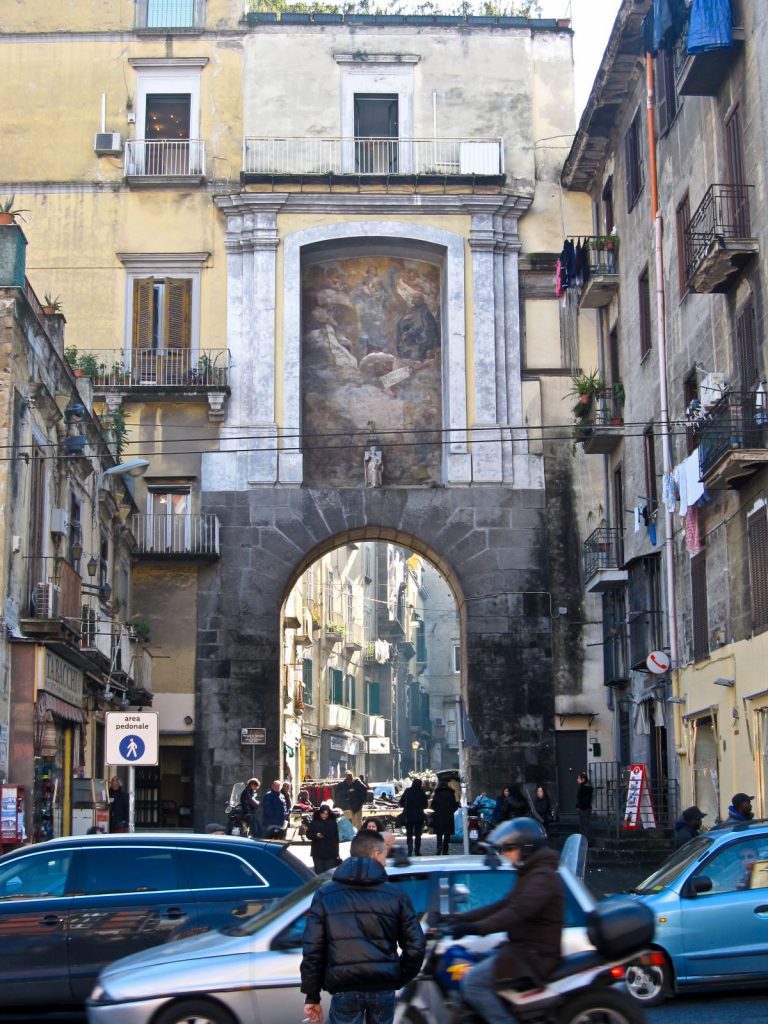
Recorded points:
280,276
679,564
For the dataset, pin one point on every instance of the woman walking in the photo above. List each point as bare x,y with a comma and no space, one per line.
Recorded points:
444,806
414,804
584,802
324,835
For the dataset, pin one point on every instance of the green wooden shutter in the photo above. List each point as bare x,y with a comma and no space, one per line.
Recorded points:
306,678
178,296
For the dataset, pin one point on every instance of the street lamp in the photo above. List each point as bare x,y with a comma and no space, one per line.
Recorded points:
415,747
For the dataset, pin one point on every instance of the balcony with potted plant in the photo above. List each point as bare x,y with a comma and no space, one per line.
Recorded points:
601,272
598,412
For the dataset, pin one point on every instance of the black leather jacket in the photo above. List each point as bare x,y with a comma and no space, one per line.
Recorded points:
354,926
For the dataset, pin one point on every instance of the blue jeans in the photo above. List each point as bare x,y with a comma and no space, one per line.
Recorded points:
479,991
362,1008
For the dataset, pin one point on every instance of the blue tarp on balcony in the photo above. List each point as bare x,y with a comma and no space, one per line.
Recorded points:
711,26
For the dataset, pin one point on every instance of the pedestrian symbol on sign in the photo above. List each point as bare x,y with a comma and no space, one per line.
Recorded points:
131,747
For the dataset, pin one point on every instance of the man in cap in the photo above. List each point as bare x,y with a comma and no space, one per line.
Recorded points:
688,825
741,808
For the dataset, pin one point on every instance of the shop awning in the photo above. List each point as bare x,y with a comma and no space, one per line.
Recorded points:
59,707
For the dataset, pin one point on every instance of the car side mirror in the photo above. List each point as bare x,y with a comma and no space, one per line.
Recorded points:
697,885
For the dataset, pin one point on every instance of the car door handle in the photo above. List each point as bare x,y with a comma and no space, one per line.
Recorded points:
175,914
51,920
761,910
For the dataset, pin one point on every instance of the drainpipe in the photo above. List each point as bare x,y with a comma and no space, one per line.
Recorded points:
658,221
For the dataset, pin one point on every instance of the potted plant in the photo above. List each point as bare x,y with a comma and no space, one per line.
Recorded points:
9,214
51,304
141,628
584,386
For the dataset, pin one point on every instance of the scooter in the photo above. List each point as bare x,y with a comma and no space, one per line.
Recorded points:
580,991
237,821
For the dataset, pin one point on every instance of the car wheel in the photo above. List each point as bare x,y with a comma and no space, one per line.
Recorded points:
603,1006
195,1011
649,985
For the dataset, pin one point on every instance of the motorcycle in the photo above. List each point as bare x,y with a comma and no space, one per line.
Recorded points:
579,992
237,821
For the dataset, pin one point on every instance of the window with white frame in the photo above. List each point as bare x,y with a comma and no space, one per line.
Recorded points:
457,658
167,108
168,519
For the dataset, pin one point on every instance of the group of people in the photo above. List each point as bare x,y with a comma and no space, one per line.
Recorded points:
269,816
363,940
689,823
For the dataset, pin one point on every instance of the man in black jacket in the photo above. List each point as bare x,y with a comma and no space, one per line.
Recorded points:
349,796
355,925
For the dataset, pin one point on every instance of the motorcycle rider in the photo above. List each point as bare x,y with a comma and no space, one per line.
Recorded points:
250,805
533,916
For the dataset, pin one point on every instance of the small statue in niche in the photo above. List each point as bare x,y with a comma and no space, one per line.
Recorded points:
374,466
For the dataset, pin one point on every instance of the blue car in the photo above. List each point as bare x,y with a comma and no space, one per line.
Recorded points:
710,904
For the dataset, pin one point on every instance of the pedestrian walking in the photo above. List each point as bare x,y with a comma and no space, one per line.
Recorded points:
542,805
414,804
511,803
444,805
274,811
688,825
250,803
350,795
355,926
584,803
741,808
118,806
323,832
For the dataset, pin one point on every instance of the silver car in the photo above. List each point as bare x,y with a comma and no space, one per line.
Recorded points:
250,974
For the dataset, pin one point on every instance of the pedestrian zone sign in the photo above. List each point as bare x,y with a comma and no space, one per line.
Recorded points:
131,737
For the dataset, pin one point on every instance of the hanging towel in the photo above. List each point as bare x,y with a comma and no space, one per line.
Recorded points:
669,492
682,487
558,280
694,484
711,26
637,518
692,531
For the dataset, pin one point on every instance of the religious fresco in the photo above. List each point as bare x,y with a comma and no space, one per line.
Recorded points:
371,356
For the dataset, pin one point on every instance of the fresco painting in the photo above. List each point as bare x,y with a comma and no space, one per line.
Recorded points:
371,354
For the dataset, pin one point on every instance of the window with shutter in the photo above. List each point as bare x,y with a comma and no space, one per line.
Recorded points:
666,97
700,620
746,341
306,679
143,313
684,245
336,685
177,313
633,158
373,698
644,298
757,529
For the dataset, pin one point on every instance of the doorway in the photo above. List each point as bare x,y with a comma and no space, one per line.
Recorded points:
571,758
376,123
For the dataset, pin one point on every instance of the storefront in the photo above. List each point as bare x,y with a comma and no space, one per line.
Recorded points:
47,737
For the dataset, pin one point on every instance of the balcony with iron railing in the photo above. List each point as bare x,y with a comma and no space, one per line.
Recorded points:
164,161
733,438
603,557
601,430
188,535
339,157
55,604
140,684
153,16
96,631
338,717
601,282
147,369
718,239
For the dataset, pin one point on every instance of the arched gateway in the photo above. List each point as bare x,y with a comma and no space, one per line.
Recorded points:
377,393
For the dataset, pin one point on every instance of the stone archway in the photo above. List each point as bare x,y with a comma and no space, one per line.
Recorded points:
489,541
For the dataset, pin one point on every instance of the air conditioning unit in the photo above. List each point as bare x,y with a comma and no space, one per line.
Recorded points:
47,601
59,521
711,390
107,143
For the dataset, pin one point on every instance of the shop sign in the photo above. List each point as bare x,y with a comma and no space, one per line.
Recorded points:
343,743
253,737
378,745
60,679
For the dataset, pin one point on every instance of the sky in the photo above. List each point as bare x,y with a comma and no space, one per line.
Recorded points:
591,21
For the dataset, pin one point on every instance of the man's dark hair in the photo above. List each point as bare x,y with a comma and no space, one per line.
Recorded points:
365,844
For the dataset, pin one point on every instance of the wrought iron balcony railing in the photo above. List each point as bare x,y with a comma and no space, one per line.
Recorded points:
165,158
176,535
56,592
722,215
738,421
603,549
373,156
157,367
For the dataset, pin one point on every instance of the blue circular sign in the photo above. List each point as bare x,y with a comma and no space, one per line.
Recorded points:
132,748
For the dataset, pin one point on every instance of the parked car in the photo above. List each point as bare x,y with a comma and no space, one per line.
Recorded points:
70,906
251,972
710,901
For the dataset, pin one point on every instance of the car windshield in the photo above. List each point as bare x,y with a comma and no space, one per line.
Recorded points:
674,865
276,909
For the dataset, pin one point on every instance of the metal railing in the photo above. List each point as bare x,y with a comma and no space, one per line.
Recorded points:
373,156
738,420
609,801
602,254
164,158
603,549
169,14
184,534
607,409
141,666
722,215
96,627
163,367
